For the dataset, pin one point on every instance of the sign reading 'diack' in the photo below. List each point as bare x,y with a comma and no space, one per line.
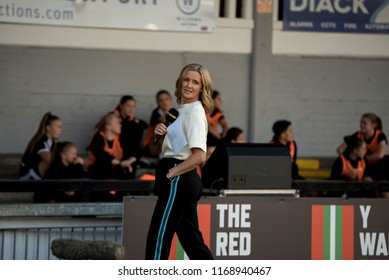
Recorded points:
370,16
274,228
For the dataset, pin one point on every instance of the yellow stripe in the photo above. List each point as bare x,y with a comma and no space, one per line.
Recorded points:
311,164
173,116
315,174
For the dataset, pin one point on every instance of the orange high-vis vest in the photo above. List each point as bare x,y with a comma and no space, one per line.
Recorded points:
292,150
214,120
347,167
149,136
371,147
116,150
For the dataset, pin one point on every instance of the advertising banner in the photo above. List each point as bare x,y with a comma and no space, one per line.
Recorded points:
274,228
177,15
365,16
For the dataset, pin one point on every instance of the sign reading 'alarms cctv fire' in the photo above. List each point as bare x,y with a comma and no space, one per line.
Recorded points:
370,16
274,228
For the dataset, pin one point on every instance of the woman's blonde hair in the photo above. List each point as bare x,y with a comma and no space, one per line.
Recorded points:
374,119
205,93
100,126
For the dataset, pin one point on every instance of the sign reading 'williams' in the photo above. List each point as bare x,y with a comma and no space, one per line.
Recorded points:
371,16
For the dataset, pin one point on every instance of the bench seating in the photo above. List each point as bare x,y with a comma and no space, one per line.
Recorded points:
315,168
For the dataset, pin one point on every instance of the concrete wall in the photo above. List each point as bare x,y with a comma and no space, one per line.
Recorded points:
323,97
81,85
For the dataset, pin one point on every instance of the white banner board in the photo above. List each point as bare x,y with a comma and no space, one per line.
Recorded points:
172,15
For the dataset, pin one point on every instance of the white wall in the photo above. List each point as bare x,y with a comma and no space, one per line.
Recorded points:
323,97
81,85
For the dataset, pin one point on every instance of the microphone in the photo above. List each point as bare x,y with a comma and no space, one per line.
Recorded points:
171,116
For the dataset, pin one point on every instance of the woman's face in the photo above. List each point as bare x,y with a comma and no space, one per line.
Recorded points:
191,87
54,130
366,125
218,101
239,139
165,102
361,151
128,108
69,155
288,134
114,125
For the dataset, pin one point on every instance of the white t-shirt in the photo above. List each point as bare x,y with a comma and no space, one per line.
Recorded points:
190,129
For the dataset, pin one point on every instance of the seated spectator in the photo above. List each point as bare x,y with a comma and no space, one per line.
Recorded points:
351,166
217,124
106,157
234,135
65,165
164,102
283,134
376,145
132,130
38,154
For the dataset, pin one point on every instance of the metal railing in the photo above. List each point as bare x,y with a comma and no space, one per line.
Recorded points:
26,231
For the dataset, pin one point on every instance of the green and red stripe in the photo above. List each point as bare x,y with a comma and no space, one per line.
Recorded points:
204,216
332,232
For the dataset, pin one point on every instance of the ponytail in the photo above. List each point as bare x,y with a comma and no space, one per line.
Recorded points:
47,119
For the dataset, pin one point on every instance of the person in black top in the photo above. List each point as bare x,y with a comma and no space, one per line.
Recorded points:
132,130
217,124
234,135
376,144
65,165
38,153
351,166
164,102
283,134
106,157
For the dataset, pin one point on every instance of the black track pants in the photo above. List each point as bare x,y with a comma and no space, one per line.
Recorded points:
176,212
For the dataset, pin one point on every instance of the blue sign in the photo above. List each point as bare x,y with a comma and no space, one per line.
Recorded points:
370,16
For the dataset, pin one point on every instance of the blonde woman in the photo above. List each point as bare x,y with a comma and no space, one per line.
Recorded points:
177,182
